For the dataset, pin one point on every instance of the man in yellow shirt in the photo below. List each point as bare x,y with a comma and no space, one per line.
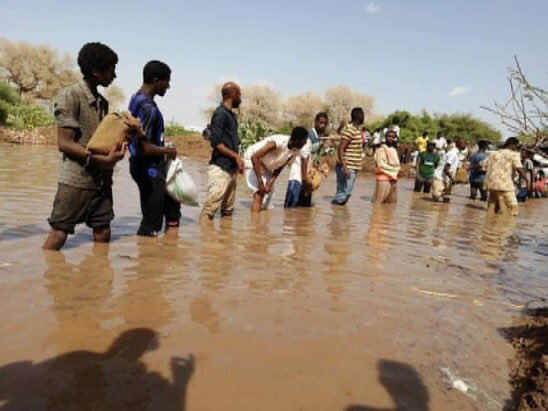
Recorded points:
501,167
420,142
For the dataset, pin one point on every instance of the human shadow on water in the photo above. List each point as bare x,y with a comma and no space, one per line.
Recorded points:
83,380
405,386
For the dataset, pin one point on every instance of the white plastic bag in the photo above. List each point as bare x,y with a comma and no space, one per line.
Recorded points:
179,184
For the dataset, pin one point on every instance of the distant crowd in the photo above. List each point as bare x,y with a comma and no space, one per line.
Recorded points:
84,191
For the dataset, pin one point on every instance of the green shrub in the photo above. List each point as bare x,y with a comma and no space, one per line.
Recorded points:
173,129
23,117
252,131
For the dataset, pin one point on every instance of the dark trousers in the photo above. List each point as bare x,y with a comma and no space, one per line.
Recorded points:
155,202
474,188
422,184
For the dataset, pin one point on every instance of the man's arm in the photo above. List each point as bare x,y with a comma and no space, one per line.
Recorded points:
67,145
342,146
146,147
256,161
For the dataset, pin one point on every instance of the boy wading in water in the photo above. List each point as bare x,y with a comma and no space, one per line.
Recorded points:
84,191
265,160
147,161
350,157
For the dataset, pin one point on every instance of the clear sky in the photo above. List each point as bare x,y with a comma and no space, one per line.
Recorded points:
442,56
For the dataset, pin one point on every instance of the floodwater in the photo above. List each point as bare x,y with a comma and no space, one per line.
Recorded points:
329,308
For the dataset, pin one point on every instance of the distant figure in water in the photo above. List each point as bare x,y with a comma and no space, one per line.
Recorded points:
387,167
501,166
298,194
84,190
427,161
476,174
444,174
350,156
265,160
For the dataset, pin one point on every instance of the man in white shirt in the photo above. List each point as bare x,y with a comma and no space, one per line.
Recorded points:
446,170
265,160
440,142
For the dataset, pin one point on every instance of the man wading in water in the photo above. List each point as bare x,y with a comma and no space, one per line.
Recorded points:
84,190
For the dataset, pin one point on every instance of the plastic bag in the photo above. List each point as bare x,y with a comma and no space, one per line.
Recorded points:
179,184
114,129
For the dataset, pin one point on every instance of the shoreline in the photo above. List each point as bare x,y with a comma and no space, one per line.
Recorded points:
193,146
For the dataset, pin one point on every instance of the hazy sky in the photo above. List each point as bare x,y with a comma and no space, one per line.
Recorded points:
442,56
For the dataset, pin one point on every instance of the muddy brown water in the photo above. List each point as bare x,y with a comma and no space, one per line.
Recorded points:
329,308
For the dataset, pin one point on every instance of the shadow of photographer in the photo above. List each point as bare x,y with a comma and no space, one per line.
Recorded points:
116,379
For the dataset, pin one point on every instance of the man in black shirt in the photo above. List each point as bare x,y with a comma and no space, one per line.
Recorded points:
225,162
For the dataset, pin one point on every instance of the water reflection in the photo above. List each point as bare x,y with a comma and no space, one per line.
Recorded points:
80,294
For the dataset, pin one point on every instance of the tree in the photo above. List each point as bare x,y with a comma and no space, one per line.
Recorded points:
525,113
8,98
340,101
301,110
37,71
451,125
115,96
261,103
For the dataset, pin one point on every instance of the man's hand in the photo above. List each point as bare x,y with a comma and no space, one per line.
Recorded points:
240,164
346,172
108,162
170,151
264,189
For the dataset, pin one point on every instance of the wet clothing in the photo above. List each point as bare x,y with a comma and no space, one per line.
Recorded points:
84,194
221,192
224,130
75,205
427,164
77,108
149,171
501,166
386,192
223,170
344,185
294,196
145,109
353,153
477,170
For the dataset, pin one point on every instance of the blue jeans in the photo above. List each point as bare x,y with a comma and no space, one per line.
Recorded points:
344,185
292,194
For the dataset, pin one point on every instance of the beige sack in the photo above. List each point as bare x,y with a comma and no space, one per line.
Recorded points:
114,129
316,175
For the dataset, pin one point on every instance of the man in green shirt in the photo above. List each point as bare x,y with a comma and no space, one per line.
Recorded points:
427,162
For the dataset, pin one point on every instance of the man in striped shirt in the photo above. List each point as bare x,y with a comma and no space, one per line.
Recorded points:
350,156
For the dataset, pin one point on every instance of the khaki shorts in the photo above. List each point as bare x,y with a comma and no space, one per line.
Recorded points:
73,205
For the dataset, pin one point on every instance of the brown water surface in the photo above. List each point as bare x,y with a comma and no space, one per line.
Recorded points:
329,308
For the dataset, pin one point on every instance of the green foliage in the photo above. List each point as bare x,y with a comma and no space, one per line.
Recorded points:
451,125
8,94
252,131
173,129
23,117
8,97
285,128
